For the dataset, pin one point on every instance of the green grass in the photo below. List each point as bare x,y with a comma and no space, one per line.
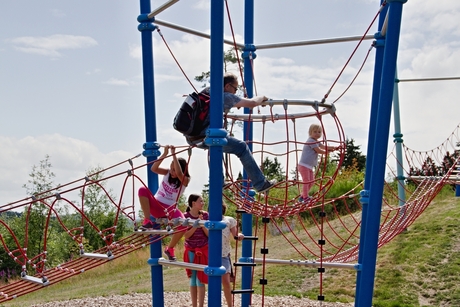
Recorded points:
420,267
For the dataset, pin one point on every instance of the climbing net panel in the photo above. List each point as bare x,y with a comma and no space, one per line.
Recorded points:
279,136
67,211
329,231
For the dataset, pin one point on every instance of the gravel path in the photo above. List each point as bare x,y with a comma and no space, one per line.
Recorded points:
182,299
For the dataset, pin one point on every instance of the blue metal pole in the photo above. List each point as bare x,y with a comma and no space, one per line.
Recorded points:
150,147
215,140
246,249
379,43
457,187
375,194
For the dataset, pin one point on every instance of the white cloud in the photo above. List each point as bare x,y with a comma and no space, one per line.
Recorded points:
191,53
135,51
50,46
440,60
70,159
117,82
203,5
39,51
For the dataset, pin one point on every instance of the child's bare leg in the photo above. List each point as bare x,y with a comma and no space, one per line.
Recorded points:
201,294
193,295
145,206
227,288
175,238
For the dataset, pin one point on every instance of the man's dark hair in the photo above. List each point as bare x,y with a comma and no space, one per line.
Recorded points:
230,78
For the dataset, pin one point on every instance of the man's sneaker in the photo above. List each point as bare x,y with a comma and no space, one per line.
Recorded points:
147,225
170,253
267,186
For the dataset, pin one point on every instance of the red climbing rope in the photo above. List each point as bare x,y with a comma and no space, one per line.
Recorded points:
353,53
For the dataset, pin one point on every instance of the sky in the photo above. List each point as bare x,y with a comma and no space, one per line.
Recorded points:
71,76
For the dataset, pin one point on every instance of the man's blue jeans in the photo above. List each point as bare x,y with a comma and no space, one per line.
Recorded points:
241,150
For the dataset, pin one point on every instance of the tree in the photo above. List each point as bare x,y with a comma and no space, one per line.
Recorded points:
449,161
8,267
40,186
273,170
229,59
429,168
99,209
353,156
203,78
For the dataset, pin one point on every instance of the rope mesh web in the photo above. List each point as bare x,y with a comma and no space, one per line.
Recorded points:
404,200
335,222
285,148
57,204
301,226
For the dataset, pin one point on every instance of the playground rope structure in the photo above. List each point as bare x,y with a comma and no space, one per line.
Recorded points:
300,226
320,233
55,205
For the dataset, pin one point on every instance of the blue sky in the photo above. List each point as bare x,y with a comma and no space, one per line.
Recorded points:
71,76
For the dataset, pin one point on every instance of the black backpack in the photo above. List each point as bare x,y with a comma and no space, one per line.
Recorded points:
192,119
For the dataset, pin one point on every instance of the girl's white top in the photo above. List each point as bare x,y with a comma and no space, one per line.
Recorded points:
227,235
168,194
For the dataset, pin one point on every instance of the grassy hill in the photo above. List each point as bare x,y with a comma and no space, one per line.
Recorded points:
420,267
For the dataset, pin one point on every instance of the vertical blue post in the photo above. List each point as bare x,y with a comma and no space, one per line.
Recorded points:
398,140
379,44
215,140
151,148
368,243
246,250
457,187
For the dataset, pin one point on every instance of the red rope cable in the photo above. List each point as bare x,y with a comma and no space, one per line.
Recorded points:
354,51
354,78
175,59
240,69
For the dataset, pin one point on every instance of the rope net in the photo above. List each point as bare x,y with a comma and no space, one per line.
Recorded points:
337,220
274,146
326,230
323,229
60,213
